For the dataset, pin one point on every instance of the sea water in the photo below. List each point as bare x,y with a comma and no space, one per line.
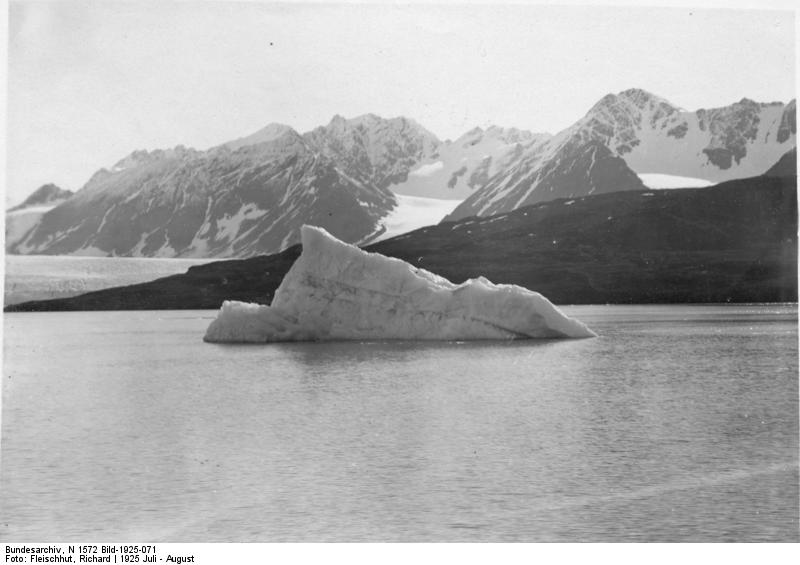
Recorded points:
678,423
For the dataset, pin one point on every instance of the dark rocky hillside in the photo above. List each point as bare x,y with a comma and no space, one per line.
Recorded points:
786,165
734,242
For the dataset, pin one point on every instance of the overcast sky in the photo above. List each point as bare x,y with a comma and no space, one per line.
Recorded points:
90,82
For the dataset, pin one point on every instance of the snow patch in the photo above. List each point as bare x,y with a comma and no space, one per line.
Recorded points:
427,170
89,251
285,242
659,182
20,222
414,212
228,226
31,210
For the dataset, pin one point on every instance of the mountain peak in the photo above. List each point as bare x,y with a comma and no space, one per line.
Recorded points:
143,156
637,93
368,118
270,132
45,194
641,97
747,102
636,97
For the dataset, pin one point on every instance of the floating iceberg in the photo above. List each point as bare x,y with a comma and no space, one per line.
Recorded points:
336,291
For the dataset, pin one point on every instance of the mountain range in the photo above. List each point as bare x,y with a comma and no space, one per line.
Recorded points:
734,242
249,196
636,132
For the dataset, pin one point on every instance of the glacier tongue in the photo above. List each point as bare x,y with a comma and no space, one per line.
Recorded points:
336,291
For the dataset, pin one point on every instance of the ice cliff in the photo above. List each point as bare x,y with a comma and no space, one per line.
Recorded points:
336,291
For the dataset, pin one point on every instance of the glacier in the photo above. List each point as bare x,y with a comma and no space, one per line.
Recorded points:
336,291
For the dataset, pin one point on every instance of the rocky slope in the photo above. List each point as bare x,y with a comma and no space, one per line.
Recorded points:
786,165
575,169
243,201
736,241
645,134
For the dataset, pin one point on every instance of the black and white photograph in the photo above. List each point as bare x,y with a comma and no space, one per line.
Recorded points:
380,272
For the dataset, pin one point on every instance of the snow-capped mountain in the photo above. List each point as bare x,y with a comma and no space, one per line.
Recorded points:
247,196
718,144
250,195
22,218
222,202
640,133
45,195
561,168
457,168
382,150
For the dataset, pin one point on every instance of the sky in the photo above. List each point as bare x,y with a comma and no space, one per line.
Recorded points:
89,82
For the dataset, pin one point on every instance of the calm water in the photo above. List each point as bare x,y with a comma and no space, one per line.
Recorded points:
677,424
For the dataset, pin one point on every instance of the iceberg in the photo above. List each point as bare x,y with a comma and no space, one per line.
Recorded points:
336,291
